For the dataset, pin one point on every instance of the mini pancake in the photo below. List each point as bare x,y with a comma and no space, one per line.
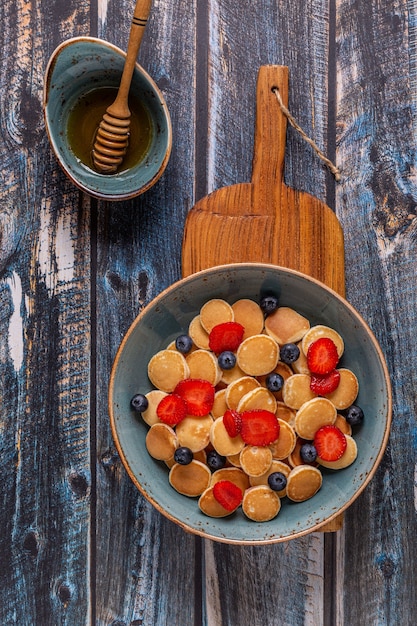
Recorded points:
238,388
285,444
300,365
214,312
197,333
234,459
303,482
258,355
319,331
343,424
154,397
347,390
219,407
312,415
190,480
249,314
260,503
276,466
283,412
286,325
347,457
203,364
296,390
229,376
210,506
259,398
234,474
161,442
221,440
166,369
255,460
194,432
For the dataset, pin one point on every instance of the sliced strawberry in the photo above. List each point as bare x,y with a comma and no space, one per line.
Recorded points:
171,409
232,422
330,443
322,356
227,494
226,336
197,394
321,385
259,427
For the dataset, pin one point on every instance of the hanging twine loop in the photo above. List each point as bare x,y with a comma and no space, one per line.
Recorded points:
334,170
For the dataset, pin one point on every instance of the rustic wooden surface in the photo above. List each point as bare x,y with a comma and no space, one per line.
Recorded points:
78,544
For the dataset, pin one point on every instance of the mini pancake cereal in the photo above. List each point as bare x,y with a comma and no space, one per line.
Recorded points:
258,355
190,480
260,503
296,391
238,389
246,432
198,334
194,432
259,398
161,442
312,415
303,482
166,369
286,325
249,314
255,460
346,392
214,312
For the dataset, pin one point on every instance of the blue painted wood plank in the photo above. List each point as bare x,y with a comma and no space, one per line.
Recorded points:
148,569
44,422
376,204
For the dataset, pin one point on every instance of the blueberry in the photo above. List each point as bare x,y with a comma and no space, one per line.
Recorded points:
274,382
288,353
215,461
183,344
354,415
277,481
183,455
226,360
308,453
139,402
269,304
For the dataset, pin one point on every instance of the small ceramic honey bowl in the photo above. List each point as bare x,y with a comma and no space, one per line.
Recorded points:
81,80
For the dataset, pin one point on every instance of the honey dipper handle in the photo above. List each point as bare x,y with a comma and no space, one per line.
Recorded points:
140,17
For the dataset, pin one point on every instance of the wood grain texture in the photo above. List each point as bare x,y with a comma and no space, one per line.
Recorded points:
79,545
247,585
45,446
377,208
265,220
147,567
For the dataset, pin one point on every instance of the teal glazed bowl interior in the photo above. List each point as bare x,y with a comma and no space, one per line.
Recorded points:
169,315
79,66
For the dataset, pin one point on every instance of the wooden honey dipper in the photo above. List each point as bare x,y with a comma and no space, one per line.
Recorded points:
112,137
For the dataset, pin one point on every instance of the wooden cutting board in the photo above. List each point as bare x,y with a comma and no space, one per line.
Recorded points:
265,221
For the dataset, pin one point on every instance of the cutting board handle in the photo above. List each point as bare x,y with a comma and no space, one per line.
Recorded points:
270,133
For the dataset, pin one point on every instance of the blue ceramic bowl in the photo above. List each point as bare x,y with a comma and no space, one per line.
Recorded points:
167,316
78,66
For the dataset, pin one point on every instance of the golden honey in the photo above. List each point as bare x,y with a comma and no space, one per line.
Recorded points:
86,115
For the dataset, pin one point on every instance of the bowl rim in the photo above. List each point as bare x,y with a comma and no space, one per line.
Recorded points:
205,533
45,97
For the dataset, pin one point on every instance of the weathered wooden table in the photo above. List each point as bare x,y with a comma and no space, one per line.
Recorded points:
78,544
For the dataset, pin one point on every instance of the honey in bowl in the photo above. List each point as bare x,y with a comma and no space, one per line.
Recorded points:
86,116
